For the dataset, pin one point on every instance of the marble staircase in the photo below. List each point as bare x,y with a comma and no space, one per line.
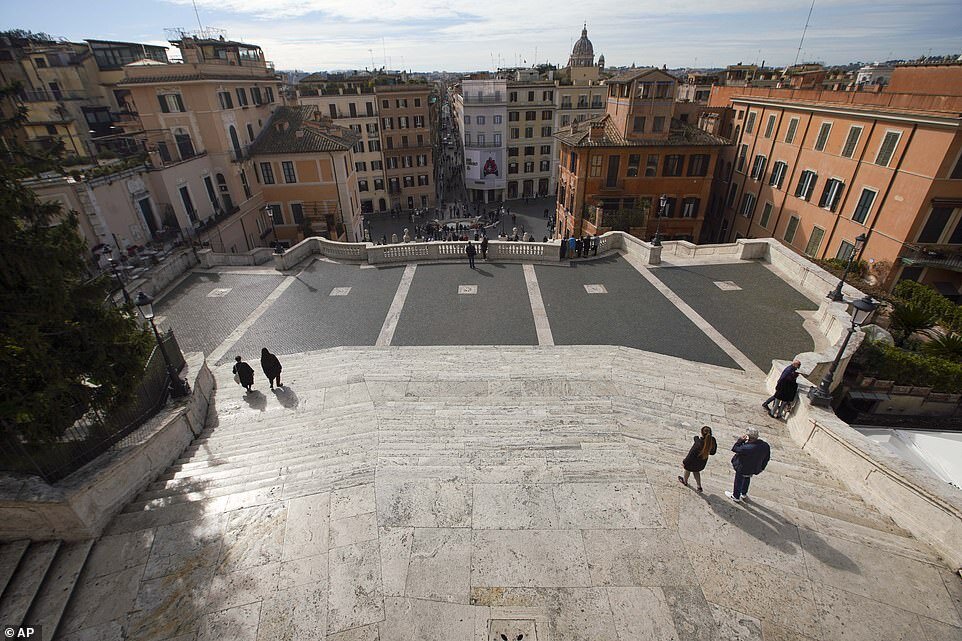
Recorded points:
293,513
36,581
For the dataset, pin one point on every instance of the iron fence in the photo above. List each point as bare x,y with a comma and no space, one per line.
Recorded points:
93,432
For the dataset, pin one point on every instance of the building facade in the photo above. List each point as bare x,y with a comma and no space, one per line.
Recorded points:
407,143
530,143
70,92
481,108
305,168
817,169
198,119
614,169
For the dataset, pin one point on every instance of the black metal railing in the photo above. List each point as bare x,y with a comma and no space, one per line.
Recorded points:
93,432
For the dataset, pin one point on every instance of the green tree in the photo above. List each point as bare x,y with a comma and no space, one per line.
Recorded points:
64,347
908,318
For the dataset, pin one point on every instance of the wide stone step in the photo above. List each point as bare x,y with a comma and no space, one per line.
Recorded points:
54,594
26,581
10,555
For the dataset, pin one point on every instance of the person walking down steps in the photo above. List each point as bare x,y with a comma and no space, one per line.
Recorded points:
703,447
785,389
243,373
272,367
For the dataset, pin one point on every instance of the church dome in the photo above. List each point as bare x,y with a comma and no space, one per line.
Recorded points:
583,47
583,53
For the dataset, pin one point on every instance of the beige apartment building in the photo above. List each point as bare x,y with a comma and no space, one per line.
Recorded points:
199,118
815,169
530,140
70,91
395,118
353,104
305,171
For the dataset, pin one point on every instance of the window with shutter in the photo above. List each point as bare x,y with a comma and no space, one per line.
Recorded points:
864,206
887,148
758,167
791,229
770,127
854,133
779,169
814,241
823,133
750,123
831,194
792,128
766,215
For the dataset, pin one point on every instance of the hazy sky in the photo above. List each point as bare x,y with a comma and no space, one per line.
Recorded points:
425,35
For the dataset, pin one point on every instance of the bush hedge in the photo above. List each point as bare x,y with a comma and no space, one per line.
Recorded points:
948,313
889,363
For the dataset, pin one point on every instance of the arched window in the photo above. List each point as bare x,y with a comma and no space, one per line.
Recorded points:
235,143
224,192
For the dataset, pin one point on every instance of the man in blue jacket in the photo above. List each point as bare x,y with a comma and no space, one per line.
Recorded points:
751,457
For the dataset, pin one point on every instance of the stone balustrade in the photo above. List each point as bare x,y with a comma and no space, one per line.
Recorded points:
916,500
257,256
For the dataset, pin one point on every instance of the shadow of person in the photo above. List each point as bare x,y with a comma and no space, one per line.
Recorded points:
782,536
286,397
256,400
482,272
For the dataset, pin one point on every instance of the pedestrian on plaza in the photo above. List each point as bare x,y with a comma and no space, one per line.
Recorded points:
572,243
470,250
525,200
545,239
545,212
272,367
586,245
243,373
564,246
484,248
594,244
394,239
578,244
703,447
751,457
787,384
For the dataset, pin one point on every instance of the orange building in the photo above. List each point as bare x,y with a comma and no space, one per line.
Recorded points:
817,169
406,142
614,168
305,170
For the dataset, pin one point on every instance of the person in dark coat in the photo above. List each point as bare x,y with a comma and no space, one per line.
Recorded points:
272,367
244,372
785,392
484,248
703,447
470,250
586,245
751,457
564,246
594,243
578,243
789,373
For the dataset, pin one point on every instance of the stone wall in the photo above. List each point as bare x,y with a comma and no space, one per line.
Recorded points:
257,256
80,506
925,506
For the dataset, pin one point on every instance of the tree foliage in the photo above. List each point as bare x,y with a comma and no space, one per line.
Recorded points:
63,347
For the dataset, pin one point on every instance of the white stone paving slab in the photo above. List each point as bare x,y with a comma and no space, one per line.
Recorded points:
727,285
219,292
467,289
340,291
596,289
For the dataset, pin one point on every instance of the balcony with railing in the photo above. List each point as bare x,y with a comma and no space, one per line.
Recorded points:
44,95
485,100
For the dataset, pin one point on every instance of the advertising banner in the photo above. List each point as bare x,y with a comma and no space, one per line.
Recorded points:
484,165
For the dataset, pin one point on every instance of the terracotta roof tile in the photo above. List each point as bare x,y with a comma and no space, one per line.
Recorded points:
281,136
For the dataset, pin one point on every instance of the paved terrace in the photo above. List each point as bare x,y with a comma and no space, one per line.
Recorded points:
489,469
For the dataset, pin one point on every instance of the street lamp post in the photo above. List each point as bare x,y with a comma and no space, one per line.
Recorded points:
822,395
178,386
836,294
120,281
662,203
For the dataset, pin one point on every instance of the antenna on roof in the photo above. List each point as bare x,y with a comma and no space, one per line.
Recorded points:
197,13
807,20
